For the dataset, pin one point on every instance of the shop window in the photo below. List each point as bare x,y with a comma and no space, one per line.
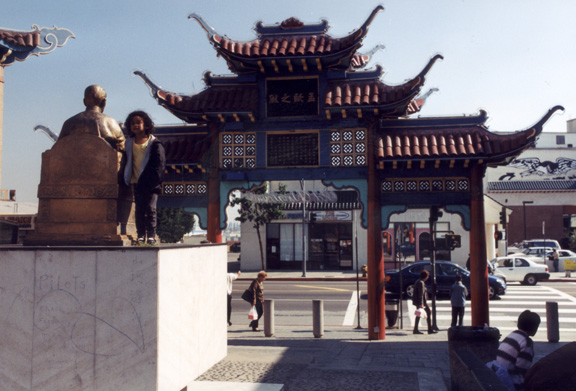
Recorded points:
290,242
286,242
273,231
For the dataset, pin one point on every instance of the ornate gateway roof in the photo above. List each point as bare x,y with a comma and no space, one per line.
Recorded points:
291,45
19,45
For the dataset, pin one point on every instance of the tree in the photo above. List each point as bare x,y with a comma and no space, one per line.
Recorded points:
173,224
258,212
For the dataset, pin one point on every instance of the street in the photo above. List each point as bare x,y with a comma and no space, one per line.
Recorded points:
293,305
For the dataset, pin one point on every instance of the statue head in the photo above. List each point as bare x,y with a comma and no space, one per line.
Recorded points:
95,95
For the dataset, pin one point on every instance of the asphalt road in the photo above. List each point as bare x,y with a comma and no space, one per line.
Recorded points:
293,305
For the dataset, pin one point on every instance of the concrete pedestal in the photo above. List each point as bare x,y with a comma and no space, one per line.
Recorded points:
81,199
110,318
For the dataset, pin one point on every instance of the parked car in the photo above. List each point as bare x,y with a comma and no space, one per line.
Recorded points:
522,269
493,271
562,255
540,243
446,273
235,247
537,252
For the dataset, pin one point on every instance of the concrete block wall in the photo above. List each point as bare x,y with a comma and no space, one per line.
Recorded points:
105,318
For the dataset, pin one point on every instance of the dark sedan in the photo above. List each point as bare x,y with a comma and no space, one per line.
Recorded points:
446,273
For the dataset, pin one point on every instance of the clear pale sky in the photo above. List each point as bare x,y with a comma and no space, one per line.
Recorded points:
513,58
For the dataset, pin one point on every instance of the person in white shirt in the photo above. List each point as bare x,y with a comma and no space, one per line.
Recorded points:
230,279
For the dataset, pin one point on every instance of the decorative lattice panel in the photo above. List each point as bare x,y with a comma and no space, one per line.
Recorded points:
184,189
425,185
348,148
237,150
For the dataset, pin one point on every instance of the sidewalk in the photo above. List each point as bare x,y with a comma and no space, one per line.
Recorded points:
343,359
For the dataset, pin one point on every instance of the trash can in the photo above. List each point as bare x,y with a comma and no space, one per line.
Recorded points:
391,311
483,341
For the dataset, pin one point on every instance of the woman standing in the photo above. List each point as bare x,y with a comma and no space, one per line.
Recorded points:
257,288
145,163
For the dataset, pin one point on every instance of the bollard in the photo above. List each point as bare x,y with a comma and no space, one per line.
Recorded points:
318,318
268,318
552,325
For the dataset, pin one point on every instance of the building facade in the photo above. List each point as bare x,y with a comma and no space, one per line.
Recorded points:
538,188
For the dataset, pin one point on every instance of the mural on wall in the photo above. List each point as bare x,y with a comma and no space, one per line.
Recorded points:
534,166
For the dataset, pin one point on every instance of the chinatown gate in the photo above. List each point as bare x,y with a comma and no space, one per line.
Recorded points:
300,106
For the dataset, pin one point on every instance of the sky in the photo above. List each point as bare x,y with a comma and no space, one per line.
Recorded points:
514,59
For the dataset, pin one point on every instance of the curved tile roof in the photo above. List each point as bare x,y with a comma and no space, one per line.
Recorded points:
541,186
367,92
291,38
19,45
214,99
27,39
445,139
185,149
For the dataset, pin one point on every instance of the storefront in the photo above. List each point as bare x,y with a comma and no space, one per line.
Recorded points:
329,241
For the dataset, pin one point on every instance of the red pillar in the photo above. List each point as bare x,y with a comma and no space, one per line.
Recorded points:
375,261
213,232
478,254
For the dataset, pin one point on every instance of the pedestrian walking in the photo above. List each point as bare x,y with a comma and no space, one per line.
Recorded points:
458,294
419,300
257,288
230,279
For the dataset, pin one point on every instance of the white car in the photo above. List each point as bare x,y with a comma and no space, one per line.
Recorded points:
523,269
538,253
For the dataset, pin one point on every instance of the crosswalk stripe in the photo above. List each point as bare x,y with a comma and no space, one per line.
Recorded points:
539,309
351,310
512,318
526,302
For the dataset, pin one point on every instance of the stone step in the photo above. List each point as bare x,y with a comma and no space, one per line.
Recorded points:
232,386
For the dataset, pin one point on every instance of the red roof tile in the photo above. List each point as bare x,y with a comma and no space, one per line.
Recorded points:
214,99
367,92
185,149
291,38
21,38
416,140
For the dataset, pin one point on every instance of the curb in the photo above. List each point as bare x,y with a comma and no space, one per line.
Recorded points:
360,279
307,279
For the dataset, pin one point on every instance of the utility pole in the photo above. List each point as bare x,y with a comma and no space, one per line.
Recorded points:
304,252
434,215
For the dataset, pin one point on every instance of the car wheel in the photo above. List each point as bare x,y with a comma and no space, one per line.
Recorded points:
491,293
410,291
530,279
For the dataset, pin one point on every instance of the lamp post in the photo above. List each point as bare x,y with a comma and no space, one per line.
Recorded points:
524,214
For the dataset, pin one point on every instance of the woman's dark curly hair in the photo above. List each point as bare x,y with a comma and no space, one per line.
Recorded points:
148,123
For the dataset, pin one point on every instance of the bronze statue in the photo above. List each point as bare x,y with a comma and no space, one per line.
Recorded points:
94,121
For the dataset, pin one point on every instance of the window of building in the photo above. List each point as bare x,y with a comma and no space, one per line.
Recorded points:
290,242
560,140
